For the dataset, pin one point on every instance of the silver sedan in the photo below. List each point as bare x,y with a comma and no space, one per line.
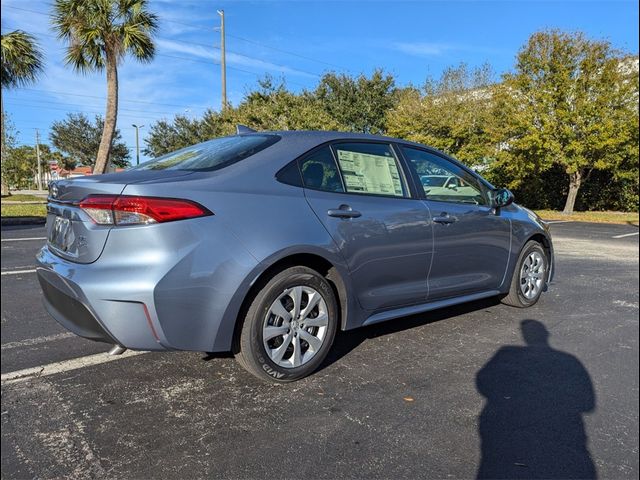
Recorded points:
267,244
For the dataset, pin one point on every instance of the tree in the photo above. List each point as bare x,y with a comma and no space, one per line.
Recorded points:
357,104
64,162
165,136
20,166
80,139
452,113
270,107
340,102
571,102
21,65
100,34
273,107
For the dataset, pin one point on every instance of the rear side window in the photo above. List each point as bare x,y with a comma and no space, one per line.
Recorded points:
211,155
319,171
370,168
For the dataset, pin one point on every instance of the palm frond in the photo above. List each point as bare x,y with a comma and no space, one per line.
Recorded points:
96,28
22,60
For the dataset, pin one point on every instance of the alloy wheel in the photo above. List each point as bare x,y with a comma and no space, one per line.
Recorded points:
295,326
532,275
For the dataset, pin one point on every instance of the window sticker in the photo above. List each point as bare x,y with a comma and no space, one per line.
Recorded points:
367,173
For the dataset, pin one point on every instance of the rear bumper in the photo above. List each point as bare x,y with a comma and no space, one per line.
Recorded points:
160,287
123,322
63,303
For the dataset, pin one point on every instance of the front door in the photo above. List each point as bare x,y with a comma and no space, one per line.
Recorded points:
384,235
471,239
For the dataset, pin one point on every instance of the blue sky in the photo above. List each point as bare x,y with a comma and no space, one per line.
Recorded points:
296,40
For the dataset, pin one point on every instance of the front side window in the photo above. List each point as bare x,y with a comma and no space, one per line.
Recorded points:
444,181
370,168
319,171
211,155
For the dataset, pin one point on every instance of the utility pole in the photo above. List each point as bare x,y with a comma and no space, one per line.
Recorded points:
39,182
137,142
223,61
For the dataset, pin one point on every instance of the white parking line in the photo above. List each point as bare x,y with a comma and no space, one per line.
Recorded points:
558,221
64,366
36,341
23,239
626,235
18,272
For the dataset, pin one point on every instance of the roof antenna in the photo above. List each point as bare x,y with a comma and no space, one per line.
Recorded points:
240,129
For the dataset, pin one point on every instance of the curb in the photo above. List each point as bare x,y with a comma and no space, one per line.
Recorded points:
8,221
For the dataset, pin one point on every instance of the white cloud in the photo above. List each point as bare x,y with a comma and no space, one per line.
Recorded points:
423,49
233,59
147,92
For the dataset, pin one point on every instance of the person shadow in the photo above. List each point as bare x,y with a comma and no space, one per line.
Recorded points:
531,425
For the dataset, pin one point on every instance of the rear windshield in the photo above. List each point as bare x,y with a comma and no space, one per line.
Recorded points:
211,155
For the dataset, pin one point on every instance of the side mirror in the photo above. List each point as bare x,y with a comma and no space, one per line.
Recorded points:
501,197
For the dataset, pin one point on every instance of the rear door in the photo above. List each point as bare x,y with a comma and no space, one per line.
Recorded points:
471,239
359,192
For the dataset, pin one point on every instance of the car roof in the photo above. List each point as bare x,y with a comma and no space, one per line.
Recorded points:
321,136
301,141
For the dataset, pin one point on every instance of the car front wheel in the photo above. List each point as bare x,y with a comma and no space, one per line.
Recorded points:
529,277
289,326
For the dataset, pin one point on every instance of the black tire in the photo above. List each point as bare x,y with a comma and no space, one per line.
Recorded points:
252,354
516,297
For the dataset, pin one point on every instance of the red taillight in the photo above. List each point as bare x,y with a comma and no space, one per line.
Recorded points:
134,210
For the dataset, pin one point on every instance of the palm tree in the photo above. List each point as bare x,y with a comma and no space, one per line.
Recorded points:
100,33
21,65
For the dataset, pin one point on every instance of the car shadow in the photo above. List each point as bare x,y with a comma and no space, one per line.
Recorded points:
347,341
531,425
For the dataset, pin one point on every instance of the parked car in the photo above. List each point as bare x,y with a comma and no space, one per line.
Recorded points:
444,187
266,244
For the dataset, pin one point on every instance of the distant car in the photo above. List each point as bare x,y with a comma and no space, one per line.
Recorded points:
436,180
266,244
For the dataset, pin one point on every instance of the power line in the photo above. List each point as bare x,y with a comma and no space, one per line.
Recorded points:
207,62
286,51
89,106
104,98
161,19
204,45
124,115
178,41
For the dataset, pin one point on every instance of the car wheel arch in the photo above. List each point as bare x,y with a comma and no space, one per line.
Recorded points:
328,269
543,240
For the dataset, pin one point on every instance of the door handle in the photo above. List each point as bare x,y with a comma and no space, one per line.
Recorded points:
344,211
445,219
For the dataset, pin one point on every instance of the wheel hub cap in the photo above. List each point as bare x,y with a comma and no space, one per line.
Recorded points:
532,275
295,326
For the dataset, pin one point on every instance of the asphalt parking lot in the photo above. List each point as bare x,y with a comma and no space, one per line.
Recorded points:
480,389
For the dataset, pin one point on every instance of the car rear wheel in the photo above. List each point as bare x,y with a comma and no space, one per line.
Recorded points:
529,277
289,326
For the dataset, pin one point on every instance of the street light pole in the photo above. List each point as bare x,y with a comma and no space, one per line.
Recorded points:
137,127
39,179
223,61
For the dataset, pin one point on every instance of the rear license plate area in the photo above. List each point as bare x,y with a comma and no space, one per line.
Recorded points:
61,234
